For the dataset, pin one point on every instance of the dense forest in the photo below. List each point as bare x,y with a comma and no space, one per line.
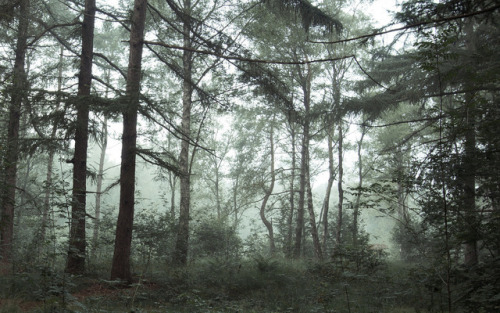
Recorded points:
249,156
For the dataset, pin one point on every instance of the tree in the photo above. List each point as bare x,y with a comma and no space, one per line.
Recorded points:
77,238
269,192
18,95
120,268
181,245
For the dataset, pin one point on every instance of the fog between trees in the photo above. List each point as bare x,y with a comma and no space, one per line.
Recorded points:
155,135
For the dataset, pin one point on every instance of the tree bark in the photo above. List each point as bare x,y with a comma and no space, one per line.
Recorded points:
269,191
77,240
19,89
303,171
471,257
120,268
182,242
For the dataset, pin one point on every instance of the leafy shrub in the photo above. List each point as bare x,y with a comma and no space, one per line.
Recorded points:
215,239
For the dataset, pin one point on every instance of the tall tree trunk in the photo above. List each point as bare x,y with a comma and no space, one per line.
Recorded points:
77,240
331,178
292,190
217,192
471,257
269,191
52,151
172,182
312,219
304,155
340,188
19,89
182,242
360,185
120,268
98,194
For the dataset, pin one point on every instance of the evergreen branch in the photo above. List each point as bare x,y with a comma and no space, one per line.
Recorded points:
113,65
419,24
156,158
235,57
402,122
114,17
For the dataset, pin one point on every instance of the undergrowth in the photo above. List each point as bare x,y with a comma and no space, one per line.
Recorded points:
258,284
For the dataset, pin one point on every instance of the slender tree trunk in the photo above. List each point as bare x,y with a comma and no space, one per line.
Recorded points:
340,188
360,185
182,243
19,89
52,151
235,201
217,192
331,178
172,182
98,195
120,268
269,191
77,240
312,219
292,191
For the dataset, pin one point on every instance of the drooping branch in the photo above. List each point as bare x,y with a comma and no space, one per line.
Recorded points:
379,32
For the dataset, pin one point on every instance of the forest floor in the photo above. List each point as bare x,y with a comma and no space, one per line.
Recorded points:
264,286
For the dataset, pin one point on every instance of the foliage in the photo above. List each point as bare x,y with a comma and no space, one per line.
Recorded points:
215,239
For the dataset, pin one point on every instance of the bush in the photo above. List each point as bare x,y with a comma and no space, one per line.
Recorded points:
215,239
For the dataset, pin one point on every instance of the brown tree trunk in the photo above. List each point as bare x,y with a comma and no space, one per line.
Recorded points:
269,191
302,189
77,240
182,242
120,268
471,257
19,89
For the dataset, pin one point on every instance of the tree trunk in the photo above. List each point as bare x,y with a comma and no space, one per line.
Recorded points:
120,268
77,240
182,242
98,195
11,155
52,151
312,219
471,257
340,188
292,191
269,191
172,182
217,192
331,178
302,189
360,185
